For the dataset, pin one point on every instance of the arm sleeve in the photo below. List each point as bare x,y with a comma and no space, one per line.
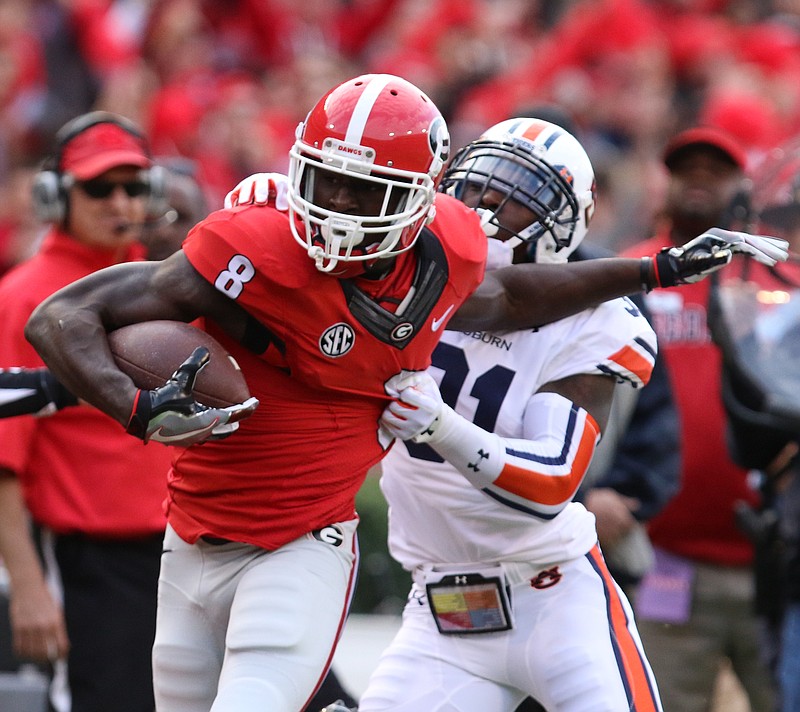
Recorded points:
538,474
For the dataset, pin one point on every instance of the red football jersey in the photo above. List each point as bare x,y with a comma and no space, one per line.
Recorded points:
296,464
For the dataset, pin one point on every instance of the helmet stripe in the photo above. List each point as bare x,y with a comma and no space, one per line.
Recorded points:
537,127
552,138
534,130
363,108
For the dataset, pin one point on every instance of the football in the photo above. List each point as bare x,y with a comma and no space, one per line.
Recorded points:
151,351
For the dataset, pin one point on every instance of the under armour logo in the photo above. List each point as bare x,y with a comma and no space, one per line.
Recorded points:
547,578
460,580
430,429
481,457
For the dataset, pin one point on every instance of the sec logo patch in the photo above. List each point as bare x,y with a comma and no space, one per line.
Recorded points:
337,340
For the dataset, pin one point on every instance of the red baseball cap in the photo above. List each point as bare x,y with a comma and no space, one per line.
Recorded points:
100,148
708,136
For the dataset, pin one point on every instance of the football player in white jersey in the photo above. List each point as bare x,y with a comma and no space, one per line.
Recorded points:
511,598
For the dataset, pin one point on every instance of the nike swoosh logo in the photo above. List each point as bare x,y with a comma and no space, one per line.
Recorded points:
436,323
160,437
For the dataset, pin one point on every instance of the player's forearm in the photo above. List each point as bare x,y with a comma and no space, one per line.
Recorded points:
529,295
70,328
539,473
69,333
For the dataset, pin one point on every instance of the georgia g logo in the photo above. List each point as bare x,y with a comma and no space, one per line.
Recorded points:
337,340
402,331
332,534
439,143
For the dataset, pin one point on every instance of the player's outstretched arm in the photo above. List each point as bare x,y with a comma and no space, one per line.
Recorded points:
529,295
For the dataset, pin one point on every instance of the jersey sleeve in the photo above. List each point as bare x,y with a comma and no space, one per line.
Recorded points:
540,471
212,244
538,474
615,339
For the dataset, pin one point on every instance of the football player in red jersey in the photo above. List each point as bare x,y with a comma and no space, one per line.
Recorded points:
260,553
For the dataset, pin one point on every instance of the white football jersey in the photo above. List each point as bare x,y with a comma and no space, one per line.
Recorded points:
435,515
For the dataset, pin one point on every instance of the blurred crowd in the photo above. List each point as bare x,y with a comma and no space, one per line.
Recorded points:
225,82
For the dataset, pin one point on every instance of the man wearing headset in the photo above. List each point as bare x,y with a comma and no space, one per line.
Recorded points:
85,602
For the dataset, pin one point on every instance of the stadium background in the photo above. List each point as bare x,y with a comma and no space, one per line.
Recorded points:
225,82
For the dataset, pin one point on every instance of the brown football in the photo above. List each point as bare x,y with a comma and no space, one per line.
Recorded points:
151,351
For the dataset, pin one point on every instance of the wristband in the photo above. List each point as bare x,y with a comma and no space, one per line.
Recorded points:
140,414
667,268
645,275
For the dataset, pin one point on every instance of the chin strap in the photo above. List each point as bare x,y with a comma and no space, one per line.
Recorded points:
316,253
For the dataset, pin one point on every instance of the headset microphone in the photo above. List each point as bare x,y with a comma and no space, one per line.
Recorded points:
169,217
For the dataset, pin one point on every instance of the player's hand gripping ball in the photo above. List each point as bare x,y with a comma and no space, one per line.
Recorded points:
202,398
150,352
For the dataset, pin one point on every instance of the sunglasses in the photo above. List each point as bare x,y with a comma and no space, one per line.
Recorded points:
99,189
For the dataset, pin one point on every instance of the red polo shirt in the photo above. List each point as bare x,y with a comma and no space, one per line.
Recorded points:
79,470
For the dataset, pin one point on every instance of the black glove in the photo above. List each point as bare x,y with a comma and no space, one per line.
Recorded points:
691,262
170,414
26,391
707,253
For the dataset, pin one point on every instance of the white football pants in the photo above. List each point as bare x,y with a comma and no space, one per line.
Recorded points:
574,647
241,629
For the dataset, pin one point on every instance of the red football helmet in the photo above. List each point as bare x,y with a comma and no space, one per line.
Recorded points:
379,129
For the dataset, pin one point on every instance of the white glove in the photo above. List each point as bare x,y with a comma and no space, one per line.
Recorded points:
762,248
499,254
258,188
416,406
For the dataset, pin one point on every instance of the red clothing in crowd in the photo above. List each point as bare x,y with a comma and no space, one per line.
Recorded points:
119,489
698,522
